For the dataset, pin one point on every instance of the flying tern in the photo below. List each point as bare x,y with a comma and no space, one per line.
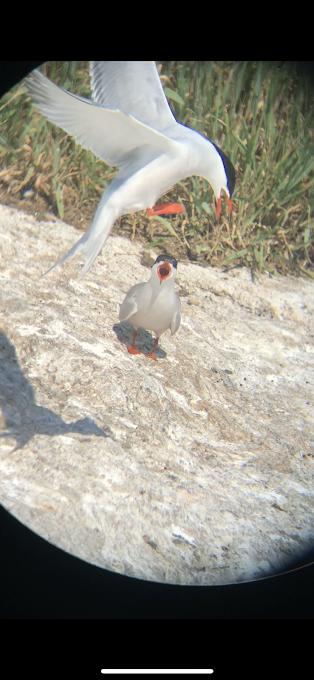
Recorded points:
153,305
129,124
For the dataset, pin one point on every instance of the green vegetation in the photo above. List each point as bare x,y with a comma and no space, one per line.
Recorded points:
260,113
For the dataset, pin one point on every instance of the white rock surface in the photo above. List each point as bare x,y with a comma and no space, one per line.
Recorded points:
197,469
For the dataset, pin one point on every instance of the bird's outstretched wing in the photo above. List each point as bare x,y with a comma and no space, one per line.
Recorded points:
113,135
133,87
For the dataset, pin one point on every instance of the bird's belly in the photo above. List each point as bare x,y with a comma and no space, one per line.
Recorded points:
154,319
144,188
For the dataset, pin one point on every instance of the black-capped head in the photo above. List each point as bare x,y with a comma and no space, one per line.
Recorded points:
165,267
165,257
229,169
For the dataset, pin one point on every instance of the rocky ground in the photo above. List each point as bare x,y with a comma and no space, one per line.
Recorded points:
197,469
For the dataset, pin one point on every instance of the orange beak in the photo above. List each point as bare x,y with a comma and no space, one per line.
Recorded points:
163,271
218,208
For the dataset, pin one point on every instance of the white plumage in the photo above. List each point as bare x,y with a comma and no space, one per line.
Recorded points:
130,124
154,305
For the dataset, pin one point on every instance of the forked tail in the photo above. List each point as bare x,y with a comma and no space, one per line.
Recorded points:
95,237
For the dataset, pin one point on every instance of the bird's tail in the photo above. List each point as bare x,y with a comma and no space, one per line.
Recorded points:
95,237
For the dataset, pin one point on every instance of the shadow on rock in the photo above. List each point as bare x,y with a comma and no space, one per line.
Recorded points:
22,418
144,341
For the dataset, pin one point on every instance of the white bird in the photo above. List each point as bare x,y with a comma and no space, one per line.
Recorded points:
153,305
130,124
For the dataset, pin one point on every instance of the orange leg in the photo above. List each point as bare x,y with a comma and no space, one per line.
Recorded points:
165,209
152,354
132,349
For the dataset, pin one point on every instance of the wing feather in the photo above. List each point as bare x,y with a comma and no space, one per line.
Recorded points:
129,305
133,87
176,319
111,134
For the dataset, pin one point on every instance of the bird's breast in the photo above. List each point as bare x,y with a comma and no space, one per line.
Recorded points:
156,306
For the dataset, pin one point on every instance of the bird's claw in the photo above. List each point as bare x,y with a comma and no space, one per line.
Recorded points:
133,350
151,356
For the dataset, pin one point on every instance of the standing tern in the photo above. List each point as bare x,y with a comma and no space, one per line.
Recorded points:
129,124
153,305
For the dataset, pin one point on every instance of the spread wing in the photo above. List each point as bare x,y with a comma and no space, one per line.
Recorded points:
113,135
133,87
